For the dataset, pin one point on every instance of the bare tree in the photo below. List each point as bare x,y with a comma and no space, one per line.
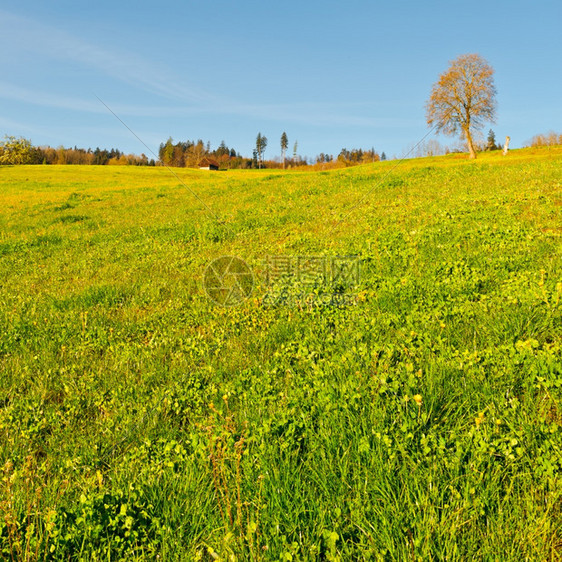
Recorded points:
463,99
284,146
261,144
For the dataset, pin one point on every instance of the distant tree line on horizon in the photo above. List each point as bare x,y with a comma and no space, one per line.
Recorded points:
18,150
95,157
546,139
21,151
193,154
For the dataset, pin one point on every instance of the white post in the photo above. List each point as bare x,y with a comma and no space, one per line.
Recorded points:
506,145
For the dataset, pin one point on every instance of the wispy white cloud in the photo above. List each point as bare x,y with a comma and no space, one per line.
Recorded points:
48,41
71,103
312,114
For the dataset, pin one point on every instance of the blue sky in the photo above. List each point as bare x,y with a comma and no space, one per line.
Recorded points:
331,74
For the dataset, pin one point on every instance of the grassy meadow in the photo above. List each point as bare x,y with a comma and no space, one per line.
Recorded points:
140,420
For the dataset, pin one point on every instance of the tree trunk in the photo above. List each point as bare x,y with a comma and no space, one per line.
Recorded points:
470,143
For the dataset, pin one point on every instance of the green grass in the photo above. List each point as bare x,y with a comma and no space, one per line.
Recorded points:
137,419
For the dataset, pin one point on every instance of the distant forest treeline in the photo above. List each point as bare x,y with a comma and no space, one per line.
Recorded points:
547,139
191,154
96,157
194,154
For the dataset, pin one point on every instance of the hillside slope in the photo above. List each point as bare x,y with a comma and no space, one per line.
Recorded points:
418,417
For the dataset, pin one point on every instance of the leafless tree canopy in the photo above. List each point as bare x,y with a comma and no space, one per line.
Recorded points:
463,99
